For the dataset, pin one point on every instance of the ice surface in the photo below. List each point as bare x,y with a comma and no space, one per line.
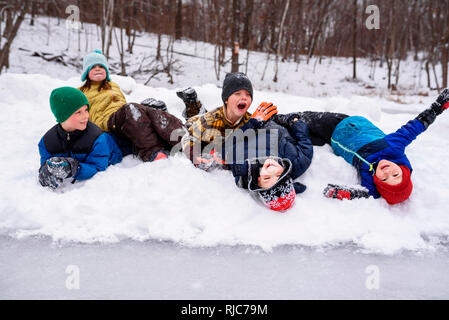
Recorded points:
160,270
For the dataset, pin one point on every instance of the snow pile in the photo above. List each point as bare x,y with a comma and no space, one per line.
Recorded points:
171,200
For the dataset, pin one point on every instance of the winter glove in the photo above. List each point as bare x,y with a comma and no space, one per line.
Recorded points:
340,192
187,95
264,111
155,104
427,117
46,179
61,167
209,162
158,155
287,120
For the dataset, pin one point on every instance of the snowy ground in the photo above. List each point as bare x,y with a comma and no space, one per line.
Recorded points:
203,216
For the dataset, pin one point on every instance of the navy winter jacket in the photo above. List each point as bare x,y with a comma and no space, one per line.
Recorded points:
293,144
94,149
363,145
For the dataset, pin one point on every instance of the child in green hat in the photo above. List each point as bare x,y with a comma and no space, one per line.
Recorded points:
74,148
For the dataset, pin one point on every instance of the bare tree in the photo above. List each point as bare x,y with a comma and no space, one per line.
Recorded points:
17,16
278,51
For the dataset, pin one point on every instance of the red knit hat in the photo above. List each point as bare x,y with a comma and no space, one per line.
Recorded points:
282,203
398,193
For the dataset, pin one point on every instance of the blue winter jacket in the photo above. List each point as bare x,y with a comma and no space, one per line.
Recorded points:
363,145
94,149
293,144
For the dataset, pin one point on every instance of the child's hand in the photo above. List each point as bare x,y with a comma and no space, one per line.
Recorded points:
62,168
340,192
265,111
211,161
428,116
46,179
443,99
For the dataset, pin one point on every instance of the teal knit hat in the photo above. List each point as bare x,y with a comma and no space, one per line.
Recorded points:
65,101
93,59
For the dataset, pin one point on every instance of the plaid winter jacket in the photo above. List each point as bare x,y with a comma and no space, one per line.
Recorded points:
208,128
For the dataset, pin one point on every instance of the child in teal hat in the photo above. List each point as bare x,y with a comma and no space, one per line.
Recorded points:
93,59
146,127
74,148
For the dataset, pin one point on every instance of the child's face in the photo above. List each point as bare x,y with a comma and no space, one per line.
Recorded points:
389,172
237,104
97,73
77,121
269,173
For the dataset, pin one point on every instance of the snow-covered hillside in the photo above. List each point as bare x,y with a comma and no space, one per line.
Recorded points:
195,61
171,200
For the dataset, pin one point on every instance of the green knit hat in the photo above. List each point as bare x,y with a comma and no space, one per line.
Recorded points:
65,101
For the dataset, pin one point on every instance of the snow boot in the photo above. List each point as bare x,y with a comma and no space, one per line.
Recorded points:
193,105
153,103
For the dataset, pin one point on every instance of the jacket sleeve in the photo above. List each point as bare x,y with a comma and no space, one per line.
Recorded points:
406,134
99,158
368,182
43,152
299,150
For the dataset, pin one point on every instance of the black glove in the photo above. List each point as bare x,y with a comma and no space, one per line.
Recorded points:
427,117
155,104
61,167
341,192
287,120
187,95
46,179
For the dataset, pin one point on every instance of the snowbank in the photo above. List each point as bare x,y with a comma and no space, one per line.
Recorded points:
171,200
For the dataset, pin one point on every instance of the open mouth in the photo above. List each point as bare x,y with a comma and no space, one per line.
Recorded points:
384,166
241,106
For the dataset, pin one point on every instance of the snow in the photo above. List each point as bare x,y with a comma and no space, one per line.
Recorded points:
170,200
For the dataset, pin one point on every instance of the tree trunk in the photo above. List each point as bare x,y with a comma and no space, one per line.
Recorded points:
4,51
178,21
235,35
281,29
354,41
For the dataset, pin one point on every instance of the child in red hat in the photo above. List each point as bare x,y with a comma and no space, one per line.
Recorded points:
380,159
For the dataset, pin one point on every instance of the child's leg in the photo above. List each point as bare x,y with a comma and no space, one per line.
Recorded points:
321,125
132,122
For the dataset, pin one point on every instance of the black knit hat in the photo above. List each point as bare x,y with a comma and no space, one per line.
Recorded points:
234,82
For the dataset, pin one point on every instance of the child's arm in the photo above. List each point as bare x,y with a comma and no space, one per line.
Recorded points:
98,158
407,133
300,150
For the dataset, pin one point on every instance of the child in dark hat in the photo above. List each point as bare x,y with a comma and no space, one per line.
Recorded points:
213,127
74,148
266,157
